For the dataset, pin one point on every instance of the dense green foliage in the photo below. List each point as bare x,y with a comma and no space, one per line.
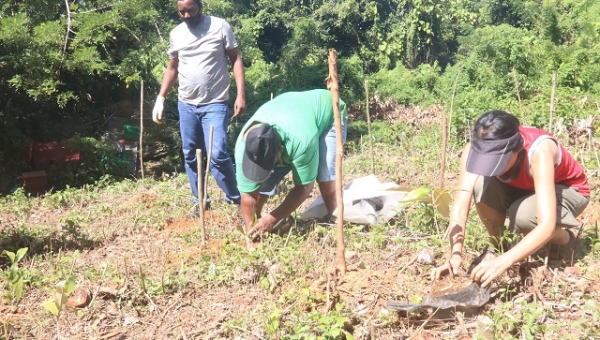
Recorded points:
62,66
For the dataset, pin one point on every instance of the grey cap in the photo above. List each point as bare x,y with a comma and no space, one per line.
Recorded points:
488,157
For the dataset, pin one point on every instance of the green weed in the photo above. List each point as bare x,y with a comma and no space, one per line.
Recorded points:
16,277
522,321
61,293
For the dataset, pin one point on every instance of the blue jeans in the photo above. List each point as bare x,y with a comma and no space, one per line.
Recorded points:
327,146
195,122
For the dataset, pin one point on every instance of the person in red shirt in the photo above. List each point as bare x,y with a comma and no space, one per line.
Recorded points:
525,175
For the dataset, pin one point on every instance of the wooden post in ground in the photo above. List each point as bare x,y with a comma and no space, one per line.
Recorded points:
552,92
208,157
141,149
200,195
369,127
446,122
453,94
444,147
332,84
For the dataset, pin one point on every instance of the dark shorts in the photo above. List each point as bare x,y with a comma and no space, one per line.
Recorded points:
520,205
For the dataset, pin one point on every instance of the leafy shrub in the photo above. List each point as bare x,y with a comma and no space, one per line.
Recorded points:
408,86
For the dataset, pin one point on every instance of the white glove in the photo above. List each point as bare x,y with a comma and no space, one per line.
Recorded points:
157,112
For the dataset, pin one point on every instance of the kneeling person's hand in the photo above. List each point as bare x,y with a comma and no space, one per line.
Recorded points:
488,270
450,267
264,225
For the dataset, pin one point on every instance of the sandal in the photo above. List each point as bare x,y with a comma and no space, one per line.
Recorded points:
564,251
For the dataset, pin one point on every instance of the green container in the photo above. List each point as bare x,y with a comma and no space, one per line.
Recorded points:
131,132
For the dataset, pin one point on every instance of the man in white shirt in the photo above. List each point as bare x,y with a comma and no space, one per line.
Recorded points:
198,52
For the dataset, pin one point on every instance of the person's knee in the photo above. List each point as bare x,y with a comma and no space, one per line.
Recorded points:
521,222
219,157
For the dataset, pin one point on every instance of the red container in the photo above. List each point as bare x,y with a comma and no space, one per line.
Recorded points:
45,154
53,153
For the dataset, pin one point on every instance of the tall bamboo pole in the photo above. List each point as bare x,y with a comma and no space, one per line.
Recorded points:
369,126
552,92
141,149
200,196
332,84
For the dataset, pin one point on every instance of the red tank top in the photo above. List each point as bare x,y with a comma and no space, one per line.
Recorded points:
567,172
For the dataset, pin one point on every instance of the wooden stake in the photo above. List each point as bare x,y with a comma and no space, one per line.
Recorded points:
369,127
208,157
446,123
552,92
332,84
200,196
444,146
452,98
141,149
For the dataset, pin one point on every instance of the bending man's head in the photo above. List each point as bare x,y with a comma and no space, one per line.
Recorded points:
495,136
263,149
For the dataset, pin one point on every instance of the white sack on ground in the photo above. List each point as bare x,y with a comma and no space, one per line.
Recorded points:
366,201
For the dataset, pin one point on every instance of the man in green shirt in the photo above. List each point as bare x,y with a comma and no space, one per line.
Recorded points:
293,132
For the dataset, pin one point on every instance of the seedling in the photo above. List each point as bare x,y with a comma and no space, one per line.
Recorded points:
58,302
241,229
439,198
15,275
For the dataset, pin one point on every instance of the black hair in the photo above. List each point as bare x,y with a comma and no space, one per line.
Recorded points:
197,2
497,124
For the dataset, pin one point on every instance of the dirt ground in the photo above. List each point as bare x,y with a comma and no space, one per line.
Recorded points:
118,309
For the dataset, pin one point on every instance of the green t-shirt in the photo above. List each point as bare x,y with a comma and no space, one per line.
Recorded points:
300,118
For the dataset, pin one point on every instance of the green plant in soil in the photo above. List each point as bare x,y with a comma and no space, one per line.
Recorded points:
16,277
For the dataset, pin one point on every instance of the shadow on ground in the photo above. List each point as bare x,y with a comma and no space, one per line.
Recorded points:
40,241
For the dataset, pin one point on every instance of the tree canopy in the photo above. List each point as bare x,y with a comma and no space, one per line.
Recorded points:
63,63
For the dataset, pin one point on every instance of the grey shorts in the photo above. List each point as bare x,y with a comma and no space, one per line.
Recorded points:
520,205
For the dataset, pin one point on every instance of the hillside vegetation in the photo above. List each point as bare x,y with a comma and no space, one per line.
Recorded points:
67,68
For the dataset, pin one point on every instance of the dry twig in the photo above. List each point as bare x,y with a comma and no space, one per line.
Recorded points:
420,329
413,260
